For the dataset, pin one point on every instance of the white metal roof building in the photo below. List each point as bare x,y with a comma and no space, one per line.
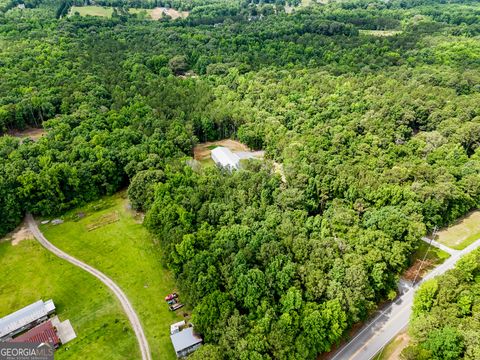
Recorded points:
25,318
185,342
223,157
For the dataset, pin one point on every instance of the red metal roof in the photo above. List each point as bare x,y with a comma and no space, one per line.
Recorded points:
43,333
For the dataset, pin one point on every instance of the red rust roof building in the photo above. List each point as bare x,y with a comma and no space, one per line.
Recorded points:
43,333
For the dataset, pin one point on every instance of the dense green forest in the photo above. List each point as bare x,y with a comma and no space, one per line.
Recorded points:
378,137
446,311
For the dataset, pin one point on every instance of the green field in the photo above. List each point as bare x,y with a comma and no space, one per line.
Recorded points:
380,32
463,233
92,11
30,273
118,245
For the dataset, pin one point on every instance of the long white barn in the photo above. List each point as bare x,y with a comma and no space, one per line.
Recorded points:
223,157
25,318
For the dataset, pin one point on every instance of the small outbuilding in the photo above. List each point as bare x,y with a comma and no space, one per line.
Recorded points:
43,333
185,342
223,157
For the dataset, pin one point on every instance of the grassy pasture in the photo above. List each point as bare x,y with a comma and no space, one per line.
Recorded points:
92,10
126,252
30,273
463,233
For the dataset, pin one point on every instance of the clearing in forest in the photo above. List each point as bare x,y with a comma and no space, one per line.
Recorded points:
107,235
463,233
103,11
202,151
92,10
32,133
30,273
159,12
382,33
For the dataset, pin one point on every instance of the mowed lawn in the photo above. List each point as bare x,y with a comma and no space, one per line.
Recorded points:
111,239
30,273
463,233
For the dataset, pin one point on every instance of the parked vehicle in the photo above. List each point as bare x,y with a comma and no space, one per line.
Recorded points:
176,307
171,296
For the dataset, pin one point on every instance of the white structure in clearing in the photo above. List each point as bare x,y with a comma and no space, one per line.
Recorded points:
223,157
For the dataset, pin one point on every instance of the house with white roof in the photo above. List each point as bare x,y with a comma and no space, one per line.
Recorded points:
224,158
185,342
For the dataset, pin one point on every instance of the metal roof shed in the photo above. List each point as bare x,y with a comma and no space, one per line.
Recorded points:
223,157
25,318
40,334
185,342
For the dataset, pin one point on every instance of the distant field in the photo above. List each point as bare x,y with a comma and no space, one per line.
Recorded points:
92,11
463,233
380,32
30,273
124,250
154,14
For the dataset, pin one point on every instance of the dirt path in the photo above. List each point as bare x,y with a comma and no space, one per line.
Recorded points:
126,305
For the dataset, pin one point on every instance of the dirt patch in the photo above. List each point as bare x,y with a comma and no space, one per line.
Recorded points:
421,267
18,235
103,220
159,12
32,133
202,151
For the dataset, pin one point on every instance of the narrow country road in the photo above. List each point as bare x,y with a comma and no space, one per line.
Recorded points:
384,327
127,307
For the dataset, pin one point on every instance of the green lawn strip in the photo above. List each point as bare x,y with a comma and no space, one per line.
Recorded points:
30,273
125,251
468,241
391,347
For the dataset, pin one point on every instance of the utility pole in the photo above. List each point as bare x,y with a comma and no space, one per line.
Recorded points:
434,233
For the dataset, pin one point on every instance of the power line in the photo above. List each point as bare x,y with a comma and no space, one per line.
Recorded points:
434,233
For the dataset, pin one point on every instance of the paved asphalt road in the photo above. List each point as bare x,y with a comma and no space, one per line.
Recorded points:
127,307
391,320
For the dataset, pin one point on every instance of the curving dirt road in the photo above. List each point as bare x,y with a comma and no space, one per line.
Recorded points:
127,307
